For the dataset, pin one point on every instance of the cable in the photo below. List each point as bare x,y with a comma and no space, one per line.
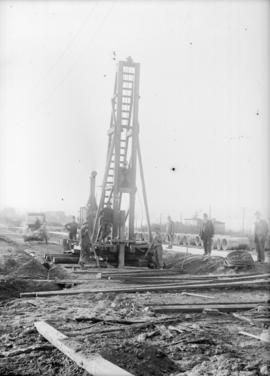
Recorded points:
77,59
68,46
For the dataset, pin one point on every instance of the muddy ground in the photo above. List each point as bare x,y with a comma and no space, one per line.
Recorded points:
185,344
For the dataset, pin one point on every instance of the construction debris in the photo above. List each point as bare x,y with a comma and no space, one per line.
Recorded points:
94,364
125,329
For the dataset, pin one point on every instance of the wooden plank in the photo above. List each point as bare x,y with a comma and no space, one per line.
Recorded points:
169,278
25,350
257,303
243,318
199,308
262,337
176,287
94,364
198,295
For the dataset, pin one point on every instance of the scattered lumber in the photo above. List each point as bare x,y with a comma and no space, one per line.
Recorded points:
125,327
94,364
171,287
188,308
264,337
243,318
26,350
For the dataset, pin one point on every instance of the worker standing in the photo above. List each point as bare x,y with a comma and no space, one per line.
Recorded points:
72,228
85,244
261,232
37,224
206,233
170,232
157,250
105,222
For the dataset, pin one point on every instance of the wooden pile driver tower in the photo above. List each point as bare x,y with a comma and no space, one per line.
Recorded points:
123,155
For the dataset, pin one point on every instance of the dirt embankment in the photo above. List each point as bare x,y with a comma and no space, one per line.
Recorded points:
21,272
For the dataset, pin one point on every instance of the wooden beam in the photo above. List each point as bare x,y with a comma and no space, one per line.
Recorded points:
169,277
65,260
255,302
262,337
199,308
133,289
94,364
198,295
25,350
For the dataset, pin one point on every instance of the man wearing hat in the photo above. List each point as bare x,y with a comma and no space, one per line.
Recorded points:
156,249
261,232
206,233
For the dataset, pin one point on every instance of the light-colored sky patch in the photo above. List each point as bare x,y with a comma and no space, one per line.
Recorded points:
204,106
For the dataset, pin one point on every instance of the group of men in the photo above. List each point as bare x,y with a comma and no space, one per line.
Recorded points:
207,232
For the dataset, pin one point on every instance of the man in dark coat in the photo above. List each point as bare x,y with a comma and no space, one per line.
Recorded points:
85,244
206,234
261,232
105,222
72,228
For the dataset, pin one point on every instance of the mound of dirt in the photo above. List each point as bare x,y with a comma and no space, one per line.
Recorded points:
12,288
140,359
11,258
31,269
194,264
58,272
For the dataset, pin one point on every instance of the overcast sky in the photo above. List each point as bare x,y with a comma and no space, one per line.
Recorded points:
204,106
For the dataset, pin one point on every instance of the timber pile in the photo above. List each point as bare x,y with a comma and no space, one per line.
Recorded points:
173,286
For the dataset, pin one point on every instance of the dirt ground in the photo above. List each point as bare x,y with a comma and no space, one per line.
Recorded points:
208,343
